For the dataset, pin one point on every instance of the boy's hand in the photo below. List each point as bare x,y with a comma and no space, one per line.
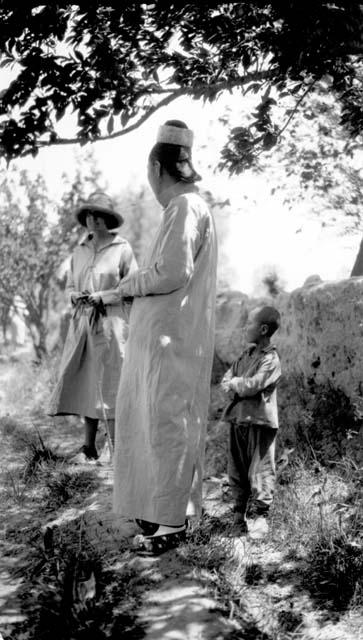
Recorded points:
226,380
233,384
225,386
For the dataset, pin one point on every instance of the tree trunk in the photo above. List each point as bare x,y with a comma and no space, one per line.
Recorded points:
38,331
358,265
5,320
39,335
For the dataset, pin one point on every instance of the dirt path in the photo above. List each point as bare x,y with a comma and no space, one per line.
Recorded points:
216,586
173,602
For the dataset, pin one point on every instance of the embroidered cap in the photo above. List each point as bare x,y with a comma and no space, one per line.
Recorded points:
101,203
175,135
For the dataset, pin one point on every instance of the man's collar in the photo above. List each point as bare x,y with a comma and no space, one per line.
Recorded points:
177,189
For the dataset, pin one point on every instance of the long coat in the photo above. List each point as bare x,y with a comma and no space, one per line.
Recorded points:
91,363
162,403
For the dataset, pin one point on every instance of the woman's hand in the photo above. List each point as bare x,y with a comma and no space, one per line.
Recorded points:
79,297
98,309
79,300
94,298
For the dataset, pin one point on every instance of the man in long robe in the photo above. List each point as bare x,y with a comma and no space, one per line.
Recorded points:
163,398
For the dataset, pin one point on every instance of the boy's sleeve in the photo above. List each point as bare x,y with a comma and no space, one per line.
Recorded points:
227,376
268,373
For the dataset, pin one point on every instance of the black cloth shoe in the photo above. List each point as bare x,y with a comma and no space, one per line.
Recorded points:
155,545
149,528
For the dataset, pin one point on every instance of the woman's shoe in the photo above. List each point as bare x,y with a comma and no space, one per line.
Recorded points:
85,454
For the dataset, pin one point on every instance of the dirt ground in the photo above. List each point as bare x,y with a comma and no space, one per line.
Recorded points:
56,513
175,604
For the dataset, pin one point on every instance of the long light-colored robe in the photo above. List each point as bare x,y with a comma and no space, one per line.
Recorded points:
91,363
162,404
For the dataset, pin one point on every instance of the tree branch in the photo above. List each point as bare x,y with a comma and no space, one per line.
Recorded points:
195,90
297,104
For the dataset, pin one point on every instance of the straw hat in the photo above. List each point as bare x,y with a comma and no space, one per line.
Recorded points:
101,203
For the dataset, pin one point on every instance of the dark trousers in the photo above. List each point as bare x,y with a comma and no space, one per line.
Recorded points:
251,465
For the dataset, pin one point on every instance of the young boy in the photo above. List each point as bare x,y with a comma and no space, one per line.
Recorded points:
252,413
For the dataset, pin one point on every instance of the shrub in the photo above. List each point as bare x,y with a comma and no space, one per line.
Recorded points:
62,486
320,420
72,593
334,572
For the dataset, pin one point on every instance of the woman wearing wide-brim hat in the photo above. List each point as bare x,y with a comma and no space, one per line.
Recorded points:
94,348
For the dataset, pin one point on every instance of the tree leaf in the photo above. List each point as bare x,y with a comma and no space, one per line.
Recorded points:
124,118
78,55
88,54
266,94
110,124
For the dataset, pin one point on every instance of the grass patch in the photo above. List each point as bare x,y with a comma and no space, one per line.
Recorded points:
42,475
62,487
206,548
34,460
72,592
334,571
9,425
37,455
211,550
319,419
317,519
306,505
28,386
316,546
25,438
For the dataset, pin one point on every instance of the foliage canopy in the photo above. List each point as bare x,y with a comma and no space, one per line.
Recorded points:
113,65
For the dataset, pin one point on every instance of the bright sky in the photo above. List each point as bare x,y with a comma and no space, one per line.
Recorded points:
262,236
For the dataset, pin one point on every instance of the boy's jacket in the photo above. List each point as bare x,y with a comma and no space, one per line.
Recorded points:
258,374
